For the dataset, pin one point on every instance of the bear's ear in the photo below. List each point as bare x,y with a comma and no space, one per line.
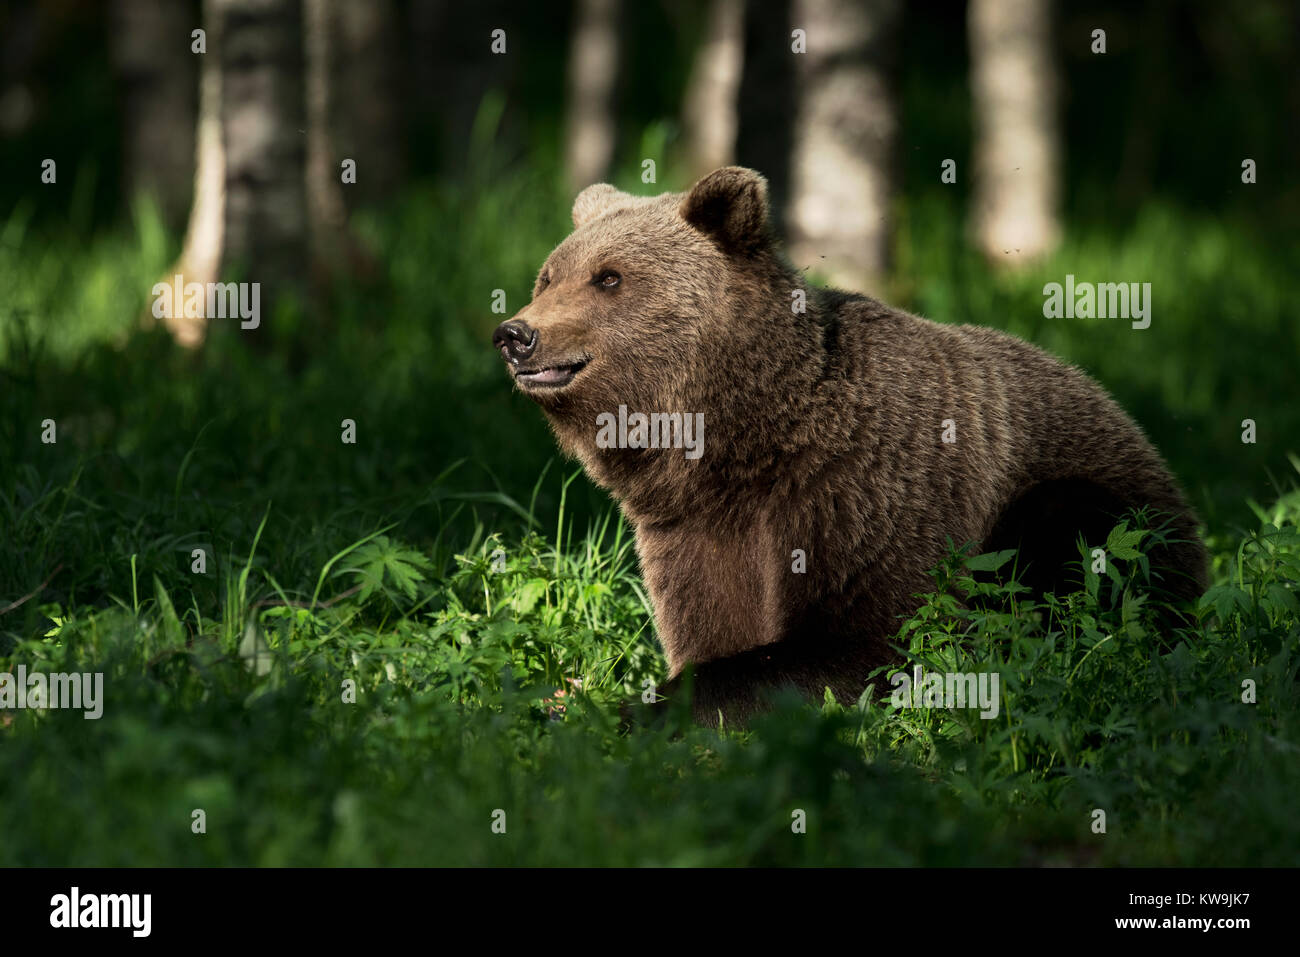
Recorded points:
594,200
730,205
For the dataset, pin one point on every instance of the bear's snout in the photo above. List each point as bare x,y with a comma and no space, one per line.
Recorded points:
515,339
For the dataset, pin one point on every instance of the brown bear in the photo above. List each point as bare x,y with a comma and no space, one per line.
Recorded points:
794,460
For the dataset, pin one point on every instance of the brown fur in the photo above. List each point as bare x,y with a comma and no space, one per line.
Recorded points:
822,433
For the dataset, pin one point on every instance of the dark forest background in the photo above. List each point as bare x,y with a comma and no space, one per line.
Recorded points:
1117,166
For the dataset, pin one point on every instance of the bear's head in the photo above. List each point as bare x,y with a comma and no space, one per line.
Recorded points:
656,304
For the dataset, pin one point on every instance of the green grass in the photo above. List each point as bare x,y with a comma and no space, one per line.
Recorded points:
457,575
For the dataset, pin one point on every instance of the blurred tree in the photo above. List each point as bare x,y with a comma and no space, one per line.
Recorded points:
767,99
710,114
267,184
264,134
20,31
328,238
366,116
250,201
844,127
200,259
453,68
590,127
1017,148
156,74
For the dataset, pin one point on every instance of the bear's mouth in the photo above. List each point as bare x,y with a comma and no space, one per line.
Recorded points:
552,376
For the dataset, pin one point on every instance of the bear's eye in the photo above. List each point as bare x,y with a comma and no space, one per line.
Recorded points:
606,279
543,281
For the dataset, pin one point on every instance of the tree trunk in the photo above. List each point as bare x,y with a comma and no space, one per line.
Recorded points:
765,137
593,71
1017,148
710,115
150,43
250,197
453,64
264,132
366,114
845,125
325,212
200,259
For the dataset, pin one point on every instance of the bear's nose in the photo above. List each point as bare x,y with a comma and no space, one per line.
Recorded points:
515,339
